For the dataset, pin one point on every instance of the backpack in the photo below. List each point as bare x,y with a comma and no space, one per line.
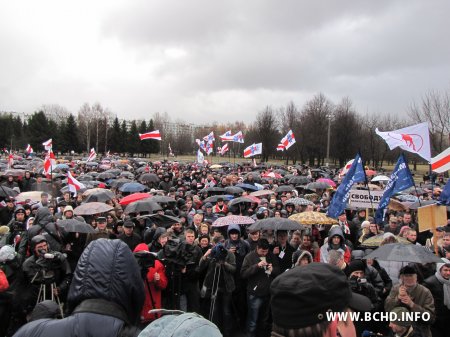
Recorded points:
187,325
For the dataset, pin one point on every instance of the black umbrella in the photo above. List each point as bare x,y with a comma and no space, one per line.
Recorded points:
149,178
318,185
117,183
162,199
75,226
213,198
100,196
92,208
233,190
106,176
284,188
277,224
161,220
240,200
403,253
7,192
299,180
417,204
247,187
145,205
213,190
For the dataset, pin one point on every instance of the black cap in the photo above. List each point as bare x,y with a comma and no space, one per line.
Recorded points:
443,229
295,295
128,223
408,270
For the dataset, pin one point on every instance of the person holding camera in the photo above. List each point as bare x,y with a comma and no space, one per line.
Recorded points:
17,228
155,280
218,285
47,272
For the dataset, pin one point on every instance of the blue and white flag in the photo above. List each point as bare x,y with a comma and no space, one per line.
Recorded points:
354,175
200,157
444,198
401,179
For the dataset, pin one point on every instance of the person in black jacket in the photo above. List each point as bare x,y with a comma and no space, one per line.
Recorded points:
260,267
105,296
439,285
128,236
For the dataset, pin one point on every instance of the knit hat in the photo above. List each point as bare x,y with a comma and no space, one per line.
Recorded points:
355,265
365,224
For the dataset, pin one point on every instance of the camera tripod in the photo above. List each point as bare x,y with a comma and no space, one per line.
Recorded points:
47,279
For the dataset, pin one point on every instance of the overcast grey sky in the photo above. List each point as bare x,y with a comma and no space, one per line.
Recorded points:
206,60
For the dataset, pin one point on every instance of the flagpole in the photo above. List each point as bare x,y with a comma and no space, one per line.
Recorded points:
366,181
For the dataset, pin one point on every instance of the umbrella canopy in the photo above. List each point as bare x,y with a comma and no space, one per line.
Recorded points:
380,178
299,180
213,190
216,166
161,220
213,199
106,176
234,190
327,181
403,253
396,205
7,192
33,196
162,199
284,188
117,183
261,193
299,201
313,218
94,191
371,173
14,173
101,196
132,187
273,175
133,197
75,226
406,197
149,178
421,203
233,220
62,167
145,205
92,208
241,200
375,241
277,224
318,185
247,187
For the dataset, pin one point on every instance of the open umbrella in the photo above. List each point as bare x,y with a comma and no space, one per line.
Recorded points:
213,198
299,180
92,208
145,205
299,201
284,188
213,190
240,200
14,173
117,183
273,175
370,173
233,190
276,224
33,196
380,178
75,226
318,185
7,192
162,199
133,197
396,205
261,193
233,220
375,241
149,178
327,181
94,191
106,176
421,203
403,253
313,218
161,220
132,187
101,196
247,187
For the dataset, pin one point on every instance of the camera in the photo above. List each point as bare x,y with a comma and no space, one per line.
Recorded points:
145,259
356,283
219,253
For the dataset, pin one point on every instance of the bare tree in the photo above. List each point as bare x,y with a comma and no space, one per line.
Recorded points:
55,112
266,126
85,118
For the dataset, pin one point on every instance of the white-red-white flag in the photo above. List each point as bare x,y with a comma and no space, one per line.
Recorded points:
346,167
210,137
415,139
156,135
253,150
209,147
74,185
441,163
49,163
92,155
280,147
29,149
224,149
48,145
227,136
10,160
288,140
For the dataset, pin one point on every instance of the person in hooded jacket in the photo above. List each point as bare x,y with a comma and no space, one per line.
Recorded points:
336,241
160,238
105,297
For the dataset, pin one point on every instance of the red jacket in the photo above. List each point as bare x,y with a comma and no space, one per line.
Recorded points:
4,284
155,286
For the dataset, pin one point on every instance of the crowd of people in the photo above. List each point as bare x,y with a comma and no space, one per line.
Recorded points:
174,256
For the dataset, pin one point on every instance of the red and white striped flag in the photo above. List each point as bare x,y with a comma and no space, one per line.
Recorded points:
288,140
156,135
210,137
74,185
441,163
10,160
48,145
346,167
92,155
29,149
280,147
253,150
224,149
49,163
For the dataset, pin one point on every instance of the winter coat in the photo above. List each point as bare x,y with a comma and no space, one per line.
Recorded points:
437,290
258,282
322,254
228,268
152,286
105,297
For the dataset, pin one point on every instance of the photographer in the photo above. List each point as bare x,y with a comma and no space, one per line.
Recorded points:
218,285
154,276
17,228
45,268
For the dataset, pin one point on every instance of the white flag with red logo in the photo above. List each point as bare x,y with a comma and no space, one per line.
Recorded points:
156,135
415,139
209,147
227,136
29,149
253,150
74,185
224,149
280,147
346,167
288,140
49,163
441,163
92,155
210,137
48,145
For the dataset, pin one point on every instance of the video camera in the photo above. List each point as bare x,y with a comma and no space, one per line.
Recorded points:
145,259
357,284
219,252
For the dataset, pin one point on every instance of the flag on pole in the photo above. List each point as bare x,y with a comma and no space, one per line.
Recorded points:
10,160
401,179
74,185
226,136
48,145
29,149
346,168
224,149
200,157
415,139
170,151
444,198
49,163
92,155
156,135
288,140
280,147
253,150
238,137
441,163
209,147
209,137
354,175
